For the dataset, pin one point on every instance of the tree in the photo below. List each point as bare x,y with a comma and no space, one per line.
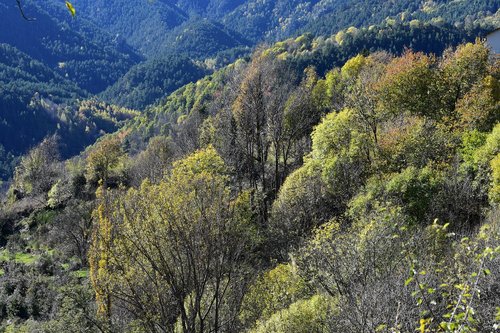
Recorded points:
302,204
153,162
38,170
345,151
460,71
104,161
180,243
361,268
334,171
72,229
258,111
480,107
362,95
410,86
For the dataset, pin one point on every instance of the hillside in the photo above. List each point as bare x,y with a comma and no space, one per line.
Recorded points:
323,53
327,17
36,101
77,50
458,13
313,199
216,33
202,39
151,80
150,27
326,166
47,67
20,77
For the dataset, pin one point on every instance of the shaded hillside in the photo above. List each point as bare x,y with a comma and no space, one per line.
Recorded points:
152,26
144,25
80,52
153,79
203,39
36,102
24,81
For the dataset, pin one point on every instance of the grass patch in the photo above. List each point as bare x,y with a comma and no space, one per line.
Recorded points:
45,216
82,273
25,258
4,256
2,272
19,257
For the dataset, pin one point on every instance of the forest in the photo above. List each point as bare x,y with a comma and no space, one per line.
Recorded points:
362,200
330,178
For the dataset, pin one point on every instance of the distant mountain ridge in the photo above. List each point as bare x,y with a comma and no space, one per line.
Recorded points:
149,25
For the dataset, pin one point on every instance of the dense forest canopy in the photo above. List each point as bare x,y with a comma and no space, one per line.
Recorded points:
198,166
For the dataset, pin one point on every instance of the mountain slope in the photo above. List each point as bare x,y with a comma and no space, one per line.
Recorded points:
76,50
203,38
279,19
144,25
322,53
148,81
23,81
36,102
151,27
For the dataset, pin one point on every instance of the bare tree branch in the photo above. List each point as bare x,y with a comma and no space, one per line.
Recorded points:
22,12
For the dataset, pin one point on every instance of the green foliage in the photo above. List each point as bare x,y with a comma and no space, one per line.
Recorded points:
105,161
273,291
309,315
18,257
352,67
300,206
37,170
495,186
471,142
485,162
342,148
489,149
416,189
182,239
